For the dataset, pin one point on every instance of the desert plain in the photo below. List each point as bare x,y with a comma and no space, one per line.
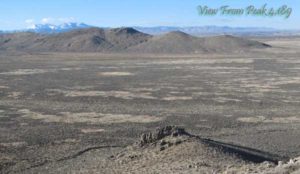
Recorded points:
77,112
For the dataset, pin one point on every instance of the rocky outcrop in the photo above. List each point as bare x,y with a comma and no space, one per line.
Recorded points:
160,133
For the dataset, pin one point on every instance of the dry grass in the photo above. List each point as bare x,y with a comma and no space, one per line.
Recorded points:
15,94
175,98
224,99
14,144
26,72
4,87
115,74
263,119
20,72
89,117
118,94
67,141
86,131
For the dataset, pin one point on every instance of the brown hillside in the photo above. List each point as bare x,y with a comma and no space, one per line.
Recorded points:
179,42
125,40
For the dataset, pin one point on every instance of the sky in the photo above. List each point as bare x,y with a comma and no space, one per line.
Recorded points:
21,14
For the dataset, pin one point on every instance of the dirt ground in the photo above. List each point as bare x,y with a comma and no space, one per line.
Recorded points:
59,110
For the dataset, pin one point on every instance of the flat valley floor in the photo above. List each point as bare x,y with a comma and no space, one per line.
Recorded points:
54,105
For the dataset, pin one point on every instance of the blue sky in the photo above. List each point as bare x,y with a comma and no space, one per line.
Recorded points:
19,14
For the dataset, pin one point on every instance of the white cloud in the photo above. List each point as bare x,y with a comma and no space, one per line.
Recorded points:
55,21
66,20
30,23
47,20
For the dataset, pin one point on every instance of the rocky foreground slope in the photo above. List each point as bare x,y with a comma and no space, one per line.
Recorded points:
166,150
172,150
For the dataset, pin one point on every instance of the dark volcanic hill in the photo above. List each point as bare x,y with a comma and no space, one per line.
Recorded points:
124,40
93,40
173,42
179,42
18,41
82,40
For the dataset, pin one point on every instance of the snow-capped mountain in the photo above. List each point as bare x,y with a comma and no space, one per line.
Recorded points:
50,28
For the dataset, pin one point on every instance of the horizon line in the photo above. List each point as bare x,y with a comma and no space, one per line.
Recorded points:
157,26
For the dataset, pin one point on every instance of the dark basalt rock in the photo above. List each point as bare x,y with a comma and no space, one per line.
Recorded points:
161,133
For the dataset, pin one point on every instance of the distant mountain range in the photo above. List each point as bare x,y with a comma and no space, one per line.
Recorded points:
220,30
202,30
49,28
196,31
